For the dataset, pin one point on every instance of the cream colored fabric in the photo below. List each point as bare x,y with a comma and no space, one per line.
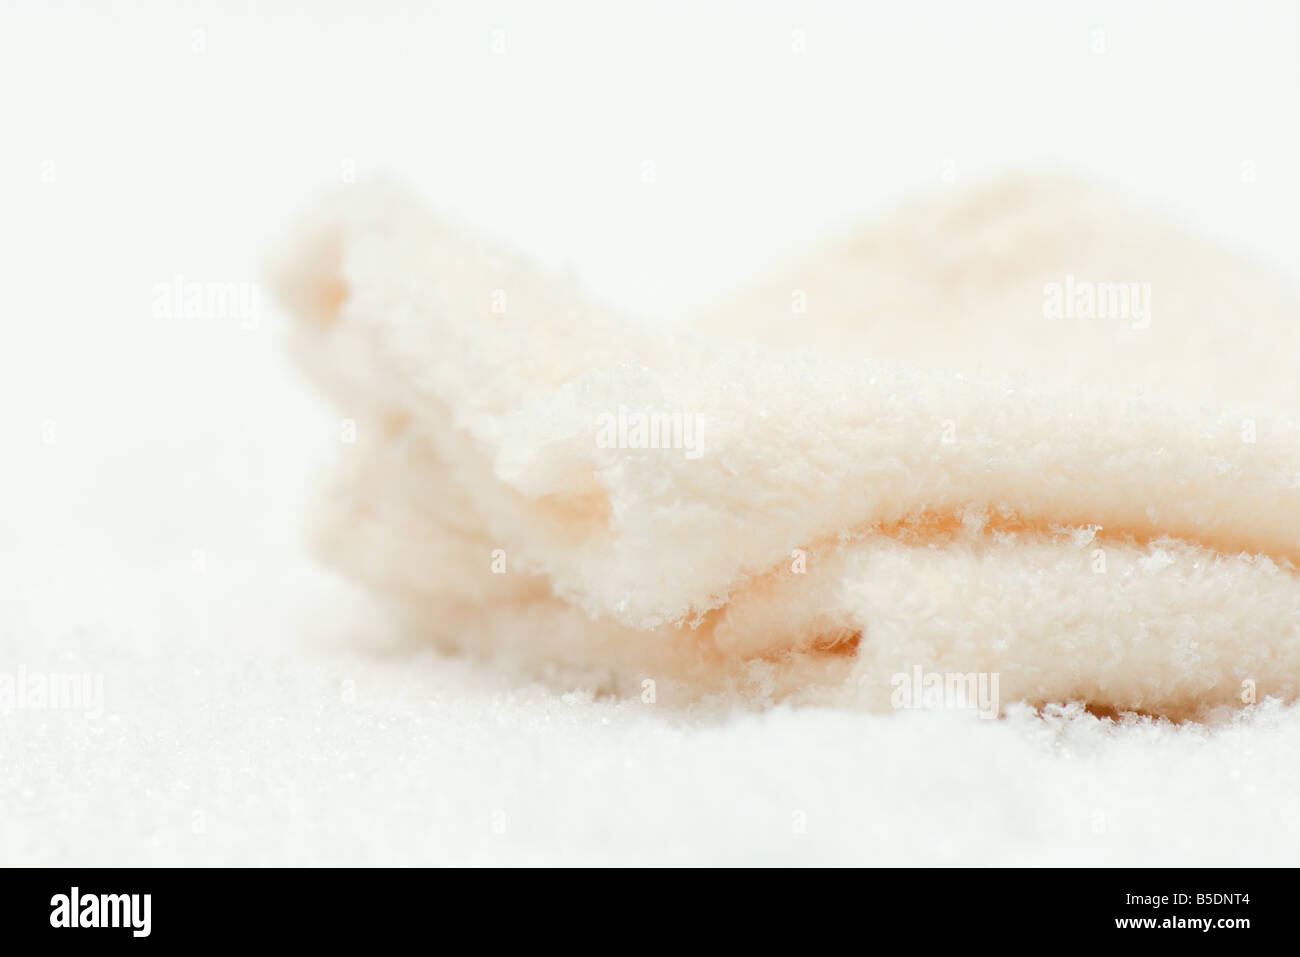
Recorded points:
888,455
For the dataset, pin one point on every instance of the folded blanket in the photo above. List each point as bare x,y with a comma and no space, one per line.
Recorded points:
1023,432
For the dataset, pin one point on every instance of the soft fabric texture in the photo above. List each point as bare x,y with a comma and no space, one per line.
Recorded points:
889,454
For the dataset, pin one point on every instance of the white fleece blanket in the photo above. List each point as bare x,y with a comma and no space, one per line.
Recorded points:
1027,432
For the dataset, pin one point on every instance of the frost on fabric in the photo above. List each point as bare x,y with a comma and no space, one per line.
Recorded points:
882,457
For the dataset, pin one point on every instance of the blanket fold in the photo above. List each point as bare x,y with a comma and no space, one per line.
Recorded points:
1022,431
